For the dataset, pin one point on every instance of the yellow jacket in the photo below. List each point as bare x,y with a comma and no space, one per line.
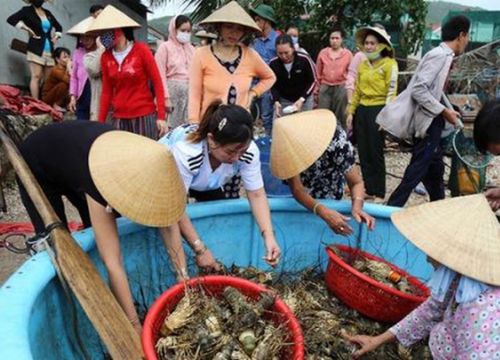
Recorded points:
376,83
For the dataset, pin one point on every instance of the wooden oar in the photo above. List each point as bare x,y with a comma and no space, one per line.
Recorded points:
101,307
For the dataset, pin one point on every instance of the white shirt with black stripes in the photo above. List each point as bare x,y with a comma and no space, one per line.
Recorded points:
196,171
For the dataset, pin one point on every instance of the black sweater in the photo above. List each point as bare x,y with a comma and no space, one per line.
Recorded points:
296,84
31,19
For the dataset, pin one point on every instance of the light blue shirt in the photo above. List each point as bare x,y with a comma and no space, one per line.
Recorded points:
468,289
266,46
46,25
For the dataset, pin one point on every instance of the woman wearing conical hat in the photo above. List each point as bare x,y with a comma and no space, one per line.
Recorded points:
128,67
487,139
376,85
79,86
461,318
99,169
315,157
225,70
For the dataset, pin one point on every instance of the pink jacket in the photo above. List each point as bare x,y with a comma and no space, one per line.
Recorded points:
173,58
331,68
352,74
78,73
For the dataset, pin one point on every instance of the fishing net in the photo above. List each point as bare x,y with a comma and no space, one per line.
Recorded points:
468,164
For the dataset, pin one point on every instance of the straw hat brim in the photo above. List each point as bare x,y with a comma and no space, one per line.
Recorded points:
138,177
299,140
231,13
205,34
112,18
461,233
82,27
363,32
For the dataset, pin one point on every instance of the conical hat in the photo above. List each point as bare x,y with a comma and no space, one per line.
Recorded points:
363,32
205,34
461,233
82,27
299,140
112,18
138,177
231,13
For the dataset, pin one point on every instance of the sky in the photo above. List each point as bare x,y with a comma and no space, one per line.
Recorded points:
175,6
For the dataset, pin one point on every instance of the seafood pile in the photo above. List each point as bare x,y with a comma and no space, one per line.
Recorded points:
211,330
323,318
379,271
226,327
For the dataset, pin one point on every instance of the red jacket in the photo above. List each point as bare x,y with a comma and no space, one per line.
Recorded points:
126,87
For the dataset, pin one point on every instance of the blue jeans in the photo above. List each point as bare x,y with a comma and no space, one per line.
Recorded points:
266,111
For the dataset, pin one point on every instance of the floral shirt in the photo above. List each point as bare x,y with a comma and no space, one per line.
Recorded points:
325,179
471,331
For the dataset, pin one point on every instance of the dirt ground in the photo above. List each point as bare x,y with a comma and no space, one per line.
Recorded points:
396,163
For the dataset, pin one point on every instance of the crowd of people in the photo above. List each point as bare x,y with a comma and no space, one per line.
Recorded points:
196,104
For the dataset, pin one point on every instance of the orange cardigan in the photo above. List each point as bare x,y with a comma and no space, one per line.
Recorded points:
209,80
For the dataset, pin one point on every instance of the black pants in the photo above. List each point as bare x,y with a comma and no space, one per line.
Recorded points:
54,195
426,166
371,149
83,103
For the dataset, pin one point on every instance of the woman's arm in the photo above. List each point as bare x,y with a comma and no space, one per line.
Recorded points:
18,20
414,327
391,78
195,87
92,62
310,80
263,72
262,215
57,27
172,239
161,58
108,245
204,257
319,66
153,74
357,188
336,221
106,91
368,343
73,81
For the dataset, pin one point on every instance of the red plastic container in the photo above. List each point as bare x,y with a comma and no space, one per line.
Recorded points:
214,285
366,295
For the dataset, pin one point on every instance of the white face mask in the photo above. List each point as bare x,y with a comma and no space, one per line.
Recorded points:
183,37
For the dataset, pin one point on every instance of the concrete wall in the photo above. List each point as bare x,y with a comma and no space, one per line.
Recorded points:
13,67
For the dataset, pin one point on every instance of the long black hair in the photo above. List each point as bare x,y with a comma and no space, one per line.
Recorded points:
487,125
181,19
229,124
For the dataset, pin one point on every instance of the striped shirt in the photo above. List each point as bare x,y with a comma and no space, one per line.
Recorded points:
194,166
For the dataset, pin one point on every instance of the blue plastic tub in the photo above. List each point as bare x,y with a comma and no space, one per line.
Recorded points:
35,315
275,188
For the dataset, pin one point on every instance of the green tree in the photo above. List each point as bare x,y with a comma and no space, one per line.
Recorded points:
404,19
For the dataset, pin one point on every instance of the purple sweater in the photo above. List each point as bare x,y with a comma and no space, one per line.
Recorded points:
78,74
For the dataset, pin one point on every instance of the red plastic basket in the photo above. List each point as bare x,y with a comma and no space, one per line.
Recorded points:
214,285
366,295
